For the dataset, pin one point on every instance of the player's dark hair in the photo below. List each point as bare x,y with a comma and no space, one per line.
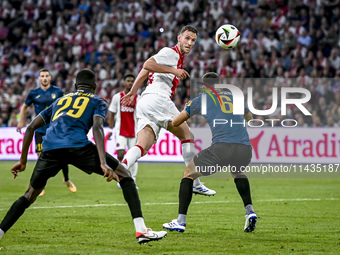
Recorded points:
129,75
44,70
189,28
211,78
86,77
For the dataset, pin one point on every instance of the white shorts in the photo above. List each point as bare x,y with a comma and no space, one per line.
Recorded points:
122,142
156,111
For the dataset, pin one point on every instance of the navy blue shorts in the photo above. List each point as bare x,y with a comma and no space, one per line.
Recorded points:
235,155
85,158
38,141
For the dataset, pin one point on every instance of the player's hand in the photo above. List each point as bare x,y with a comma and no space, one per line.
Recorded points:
19,127
128,98
108,136
109,174
18,167
181,73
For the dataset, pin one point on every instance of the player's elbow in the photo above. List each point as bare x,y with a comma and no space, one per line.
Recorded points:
31,128
148,64
96,127
248,116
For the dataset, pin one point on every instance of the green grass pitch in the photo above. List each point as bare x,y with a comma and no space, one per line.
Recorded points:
296,216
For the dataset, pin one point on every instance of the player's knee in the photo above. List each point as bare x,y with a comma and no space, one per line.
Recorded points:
190,171
186,173
31,194
122,172
188,136
238,174
125,180
120,155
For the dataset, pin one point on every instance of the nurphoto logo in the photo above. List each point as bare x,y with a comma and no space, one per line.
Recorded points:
237,106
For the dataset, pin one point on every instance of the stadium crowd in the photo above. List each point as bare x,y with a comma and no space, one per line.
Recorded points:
290,43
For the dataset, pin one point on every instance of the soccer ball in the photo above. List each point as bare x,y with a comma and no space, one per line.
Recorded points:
227,36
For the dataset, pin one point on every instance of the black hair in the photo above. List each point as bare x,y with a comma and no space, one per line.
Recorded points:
86,77
211,78
129,75
189,28
44,70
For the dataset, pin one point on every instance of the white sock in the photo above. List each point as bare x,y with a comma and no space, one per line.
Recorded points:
1,233
197,182
132,155
181,218
140,225
188,151
134,170
249,208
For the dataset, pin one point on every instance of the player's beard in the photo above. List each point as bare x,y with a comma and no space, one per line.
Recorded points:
128,89
45,84
184,49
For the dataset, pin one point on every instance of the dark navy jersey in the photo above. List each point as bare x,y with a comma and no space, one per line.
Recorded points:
225,126
42,99
70,119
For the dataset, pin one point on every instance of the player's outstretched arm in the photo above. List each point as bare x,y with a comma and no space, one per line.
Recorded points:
152,66
22,118
129,97
180,118
21,165
98,133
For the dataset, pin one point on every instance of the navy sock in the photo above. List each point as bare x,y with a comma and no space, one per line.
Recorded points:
185,195
65,173
14,213
243,188
131,197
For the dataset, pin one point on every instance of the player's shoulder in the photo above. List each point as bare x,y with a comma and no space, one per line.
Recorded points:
94,96
56,88
117,95
36,90
168,51
95,99
197,99
224,92
100,99
199,96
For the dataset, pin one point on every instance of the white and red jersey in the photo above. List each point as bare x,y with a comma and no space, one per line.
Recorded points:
125,116
165,83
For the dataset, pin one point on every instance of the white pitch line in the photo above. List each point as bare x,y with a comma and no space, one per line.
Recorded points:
176,203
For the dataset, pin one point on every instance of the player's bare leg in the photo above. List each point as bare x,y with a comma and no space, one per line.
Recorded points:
183,133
